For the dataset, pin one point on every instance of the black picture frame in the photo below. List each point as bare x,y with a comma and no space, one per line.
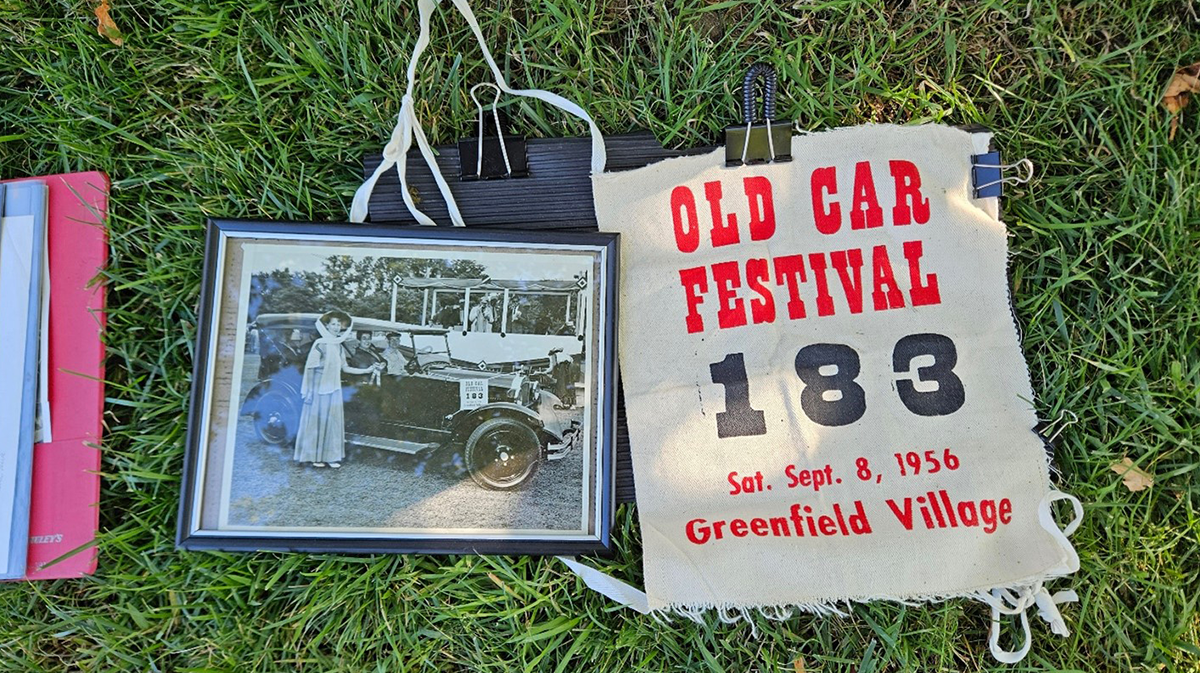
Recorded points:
195,530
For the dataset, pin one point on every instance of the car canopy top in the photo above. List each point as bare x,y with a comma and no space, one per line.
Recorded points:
308,320
488,284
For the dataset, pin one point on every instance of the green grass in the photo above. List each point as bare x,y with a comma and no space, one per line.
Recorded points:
224,108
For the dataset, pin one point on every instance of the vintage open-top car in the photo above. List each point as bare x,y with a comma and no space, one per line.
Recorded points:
498,420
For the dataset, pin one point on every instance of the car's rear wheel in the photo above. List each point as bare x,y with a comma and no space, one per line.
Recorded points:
276,418
502,454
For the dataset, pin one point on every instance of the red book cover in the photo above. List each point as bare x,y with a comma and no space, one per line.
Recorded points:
64,510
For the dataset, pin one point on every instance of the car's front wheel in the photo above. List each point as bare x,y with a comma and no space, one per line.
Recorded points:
276,418
502,454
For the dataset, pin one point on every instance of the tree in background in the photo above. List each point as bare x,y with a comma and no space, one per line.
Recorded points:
360,286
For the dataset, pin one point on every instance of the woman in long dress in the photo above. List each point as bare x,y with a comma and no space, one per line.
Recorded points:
321,437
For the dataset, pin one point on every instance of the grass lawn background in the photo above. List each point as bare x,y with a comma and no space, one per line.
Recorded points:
263,110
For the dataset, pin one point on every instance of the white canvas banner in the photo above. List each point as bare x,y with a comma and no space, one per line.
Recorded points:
826,397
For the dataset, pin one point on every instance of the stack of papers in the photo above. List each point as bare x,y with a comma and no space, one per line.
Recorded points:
52,246
22,258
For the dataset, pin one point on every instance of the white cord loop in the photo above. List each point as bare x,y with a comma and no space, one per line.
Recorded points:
1018,601
408,126
1005,602
611,587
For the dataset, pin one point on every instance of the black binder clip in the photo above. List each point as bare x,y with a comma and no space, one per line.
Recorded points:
489,154
987,174
770,140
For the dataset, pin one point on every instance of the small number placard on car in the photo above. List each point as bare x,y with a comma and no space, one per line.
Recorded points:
472,393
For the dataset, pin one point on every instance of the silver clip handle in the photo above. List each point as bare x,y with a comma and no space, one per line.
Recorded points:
1025,166
499,131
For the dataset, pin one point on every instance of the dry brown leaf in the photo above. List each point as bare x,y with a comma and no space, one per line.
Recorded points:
798,664
1135,478
106,26
1184,83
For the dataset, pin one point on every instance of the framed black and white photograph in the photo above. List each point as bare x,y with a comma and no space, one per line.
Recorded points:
402,389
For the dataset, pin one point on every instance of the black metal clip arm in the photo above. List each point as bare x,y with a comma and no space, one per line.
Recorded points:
491,154
756,143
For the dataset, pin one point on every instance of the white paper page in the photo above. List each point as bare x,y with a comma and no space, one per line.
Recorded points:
42,423
16,251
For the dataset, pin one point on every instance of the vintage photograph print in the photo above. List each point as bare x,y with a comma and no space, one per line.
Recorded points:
402,389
